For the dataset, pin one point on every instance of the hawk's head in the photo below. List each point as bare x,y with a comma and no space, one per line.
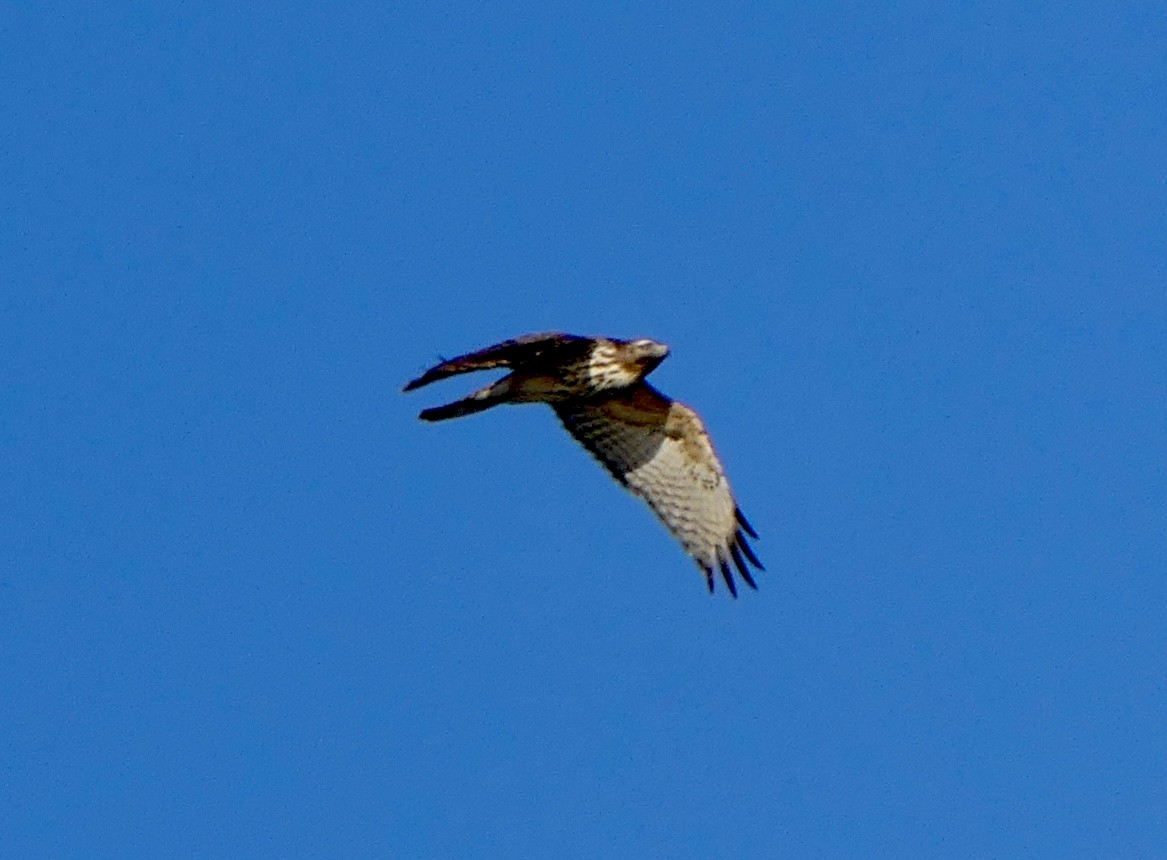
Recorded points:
645,353
620,363
640,357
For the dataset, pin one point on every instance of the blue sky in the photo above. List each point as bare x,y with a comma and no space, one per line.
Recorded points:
911,263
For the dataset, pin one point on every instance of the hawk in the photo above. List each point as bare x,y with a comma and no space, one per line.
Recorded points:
654,446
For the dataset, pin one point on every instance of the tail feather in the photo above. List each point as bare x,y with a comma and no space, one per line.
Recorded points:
466,406
484,398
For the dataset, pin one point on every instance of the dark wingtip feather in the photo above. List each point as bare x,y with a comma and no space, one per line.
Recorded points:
728,577
745,547
742,568
744,523
431,375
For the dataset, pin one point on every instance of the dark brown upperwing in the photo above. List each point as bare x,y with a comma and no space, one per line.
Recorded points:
530,349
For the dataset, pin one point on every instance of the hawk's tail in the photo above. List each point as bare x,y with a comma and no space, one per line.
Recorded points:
457,409
483,398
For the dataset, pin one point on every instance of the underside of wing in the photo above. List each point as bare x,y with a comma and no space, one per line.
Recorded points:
659,450
525,350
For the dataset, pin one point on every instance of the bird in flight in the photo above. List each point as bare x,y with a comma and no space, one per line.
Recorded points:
654,446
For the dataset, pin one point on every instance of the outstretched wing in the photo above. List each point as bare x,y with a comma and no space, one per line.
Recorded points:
531,349
659,450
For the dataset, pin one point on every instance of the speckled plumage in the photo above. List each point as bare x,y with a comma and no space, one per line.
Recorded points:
656,447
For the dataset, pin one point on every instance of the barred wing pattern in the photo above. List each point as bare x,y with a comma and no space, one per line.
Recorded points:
659,450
